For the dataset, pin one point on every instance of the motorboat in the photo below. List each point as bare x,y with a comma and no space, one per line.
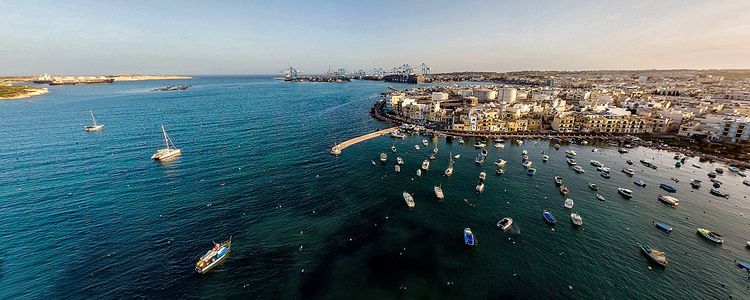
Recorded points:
416,147
460,140
479,144
409,199
457,156
426,165
669,200
393,148
499,145
484,152
640,183
480,187
564,190
558,180
525,152
603,169
648,164
549,218
630,162
432,156
576,219
571,161
499,172
505,223
600,197
519,142
500,163
655,255
419,172
695,183
435,150
439,192
383,157
397,168
668,188
479,159
628,171
697,166
398,135
742,174
719,170
711,236
399,160
531,171
527,164
606,175
596,163
625,192
425,142
373,162
663,227
719,193
568,203
743,265
557,146
449,170
593,186
571,152
677,164
218,254
746,182
579,169
622,150
93,127
469,237
169,149
482,176
524,157
545,158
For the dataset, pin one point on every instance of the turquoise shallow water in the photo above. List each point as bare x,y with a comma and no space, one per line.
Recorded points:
90,215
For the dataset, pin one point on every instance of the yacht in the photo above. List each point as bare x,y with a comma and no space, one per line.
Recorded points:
579,169
545,158
527,164
482,176
480,187
93,127
469,237
571,162
419,172
439,192
655,255
568,203
603,169
399,160
576,219
479,144
570,153
449,170
593,187
409,199
629,172
169,149
600,197
669,200
558,180
531,171
416,147
524,152
500,163
383,157
625,192
218,254
397,168
499,172
426,164
596,163
505,223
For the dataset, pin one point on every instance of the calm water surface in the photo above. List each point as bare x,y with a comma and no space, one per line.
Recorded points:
90,215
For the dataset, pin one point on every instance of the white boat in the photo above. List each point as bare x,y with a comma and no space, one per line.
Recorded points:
596,163
383,157
460,140
457,156
426,164
571,161
524,158
746,182
603,169
419,172
393,148
505,223
218,254
93,127
480,159
499,171
579,169
409,200
524,152
439,192
669,200
527,164
499,146
568,203
571,152
733,169
416,147
399,160
584,143
482,176
520,142
449,170
479,144
576,219
373,162
600,197
545,158
397,168
742,174
398,135
625,192
480,187
531,171
425,142
500,163
169,149
558,180
629,172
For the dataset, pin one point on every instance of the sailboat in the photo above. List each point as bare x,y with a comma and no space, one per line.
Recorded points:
93,127
169,148
449,170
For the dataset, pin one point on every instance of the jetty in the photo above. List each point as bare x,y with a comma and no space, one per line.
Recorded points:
336,150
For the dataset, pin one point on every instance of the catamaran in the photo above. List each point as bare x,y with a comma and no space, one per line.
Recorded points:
93,127
169,149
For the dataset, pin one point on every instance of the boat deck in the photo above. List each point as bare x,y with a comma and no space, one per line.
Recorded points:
336,150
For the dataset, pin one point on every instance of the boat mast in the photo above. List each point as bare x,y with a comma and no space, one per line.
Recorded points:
92,117
166,139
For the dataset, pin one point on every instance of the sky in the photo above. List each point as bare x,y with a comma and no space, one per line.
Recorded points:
264,37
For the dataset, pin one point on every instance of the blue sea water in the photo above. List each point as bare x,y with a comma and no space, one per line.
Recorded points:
90,215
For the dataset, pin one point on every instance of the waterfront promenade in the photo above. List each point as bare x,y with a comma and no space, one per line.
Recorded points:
336,150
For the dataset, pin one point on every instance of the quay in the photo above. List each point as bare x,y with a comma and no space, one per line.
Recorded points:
336,150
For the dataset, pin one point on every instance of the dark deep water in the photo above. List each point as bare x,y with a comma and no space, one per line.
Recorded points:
90,215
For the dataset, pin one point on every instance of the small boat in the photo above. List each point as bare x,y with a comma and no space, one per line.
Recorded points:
663,226
558,180
712,174
564,190
625,192
668,188
557,146
746,182
519,142
640,183
469,237
482,176
397,135
461,140
579,169
719,193
93,127
480,187
695,183
630,162
697,166
743,265
449,170
169,149
373,162
499,172
439,192
549,218
457,156
419,173
479,144
531,171
669,200
393,149
499,141
397,168
416,147
424,142
409,199
719,170
606,175
505,223
711,236
571,152
600,197
527,164
524,152
596,163
648,164
484,152
571,161
383,158
432,156
568,203
399,160
426,165
500,163
603,169
499,146
655,255
576,219
593,186
479,159
524,158
595,150
733,169
584,143
742,174
629,172
218,254
622,150
435,150
545,158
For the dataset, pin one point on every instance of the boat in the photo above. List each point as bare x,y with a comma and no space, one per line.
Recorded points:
593,186
545,158
499,146
655,255
432,156
697,166
557,146
584,142
668,188
419,173
218,254
505,223
524,158
457,156
564,190
524,152
426,165
571,152
630,162
742,174
576,219
669,200
397,168
482,176
499,140
677,164
439,192
409,199
606,175
549,218
383,157
640,183
398,135
93,127
733,169
500,163
416,147
480,187
399,160
571,161
469,237
625,192
717,183
595,150
746,182
622,150
719,193
600,197
527,164
424,142
743,265
558,180
484,152
449,170
499,171
596,163
531,171
663,226
169,149
435,150
479,144
479,159
629,172
373,162
648,164
603,169
711,236
719,170
568,203
695,183
519,142
393,148
579,169
712,174
461,140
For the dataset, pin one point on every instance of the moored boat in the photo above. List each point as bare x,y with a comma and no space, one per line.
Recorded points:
593,186
527,164
568,203
397,168
564,190
576,219
505,223
746,182
393,148
596,163
606,175
668,188
743,265
409,199
719,170
711,236
640,183
383,157
625,192
719,193
663,226
169,149
600,197
695,183
549,218
482,175
426,165
669,200
469,237
499,172
629,172
399,160
648,164
622,150
630,162
655,255
545,158
479,144
439,192
419,172
218,254
558,180
531,171
579,169
425,142
571,161
500,163
480,187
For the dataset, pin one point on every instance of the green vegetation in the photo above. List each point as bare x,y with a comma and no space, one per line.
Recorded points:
15,91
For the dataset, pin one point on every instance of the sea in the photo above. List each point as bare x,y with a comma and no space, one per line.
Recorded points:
91,215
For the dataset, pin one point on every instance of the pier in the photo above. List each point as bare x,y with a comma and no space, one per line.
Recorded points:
336,150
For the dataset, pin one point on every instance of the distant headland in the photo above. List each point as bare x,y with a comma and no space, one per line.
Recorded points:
10,90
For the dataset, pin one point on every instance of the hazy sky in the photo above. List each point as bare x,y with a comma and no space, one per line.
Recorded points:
264,37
